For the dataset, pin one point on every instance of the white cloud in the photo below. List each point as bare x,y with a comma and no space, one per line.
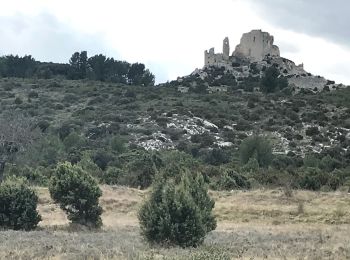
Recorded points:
168,36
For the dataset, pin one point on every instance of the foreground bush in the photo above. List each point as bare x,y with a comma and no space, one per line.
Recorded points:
18,205
177,213
77,193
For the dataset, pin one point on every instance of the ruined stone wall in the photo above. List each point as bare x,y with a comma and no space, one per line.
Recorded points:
213,59
255,45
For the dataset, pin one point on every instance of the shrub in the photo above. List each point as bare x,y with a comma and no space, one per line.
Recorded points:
118,144
18,101
64,130
328,163
38,176
77,193
139,171
74,140
256,147
9,86
111,176
231,180
33,94
45,152
43,125
101,158
177,213
18,205
89,166
312,161
281,162
252,165
205,139
272,81
216,156
314,179
312,131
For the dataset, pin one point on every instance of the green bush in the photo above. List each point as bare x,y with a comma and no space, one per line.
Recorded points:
35,176
174,163
177,213
74,140
231,180
118,144
45,152
77,193
315,179
311,131
18,101
329,164
205,139
112,175
139,172
272,81
216,156
43,125
33,94
256,147
251,166
311,160
102,158
89,166
281,162
18,205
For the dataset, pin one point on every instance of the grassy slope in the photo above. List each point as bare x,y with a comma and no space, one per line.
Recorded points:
254,224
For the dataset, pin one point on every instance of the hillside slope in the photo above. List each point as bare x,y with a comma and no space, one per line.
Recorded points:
104,122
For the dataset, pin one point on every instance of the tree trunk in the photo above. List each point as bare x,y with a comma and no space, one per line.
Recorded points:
2,169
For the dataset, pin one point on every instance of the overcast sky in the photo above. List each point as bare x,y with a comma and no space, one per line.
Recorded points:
170,36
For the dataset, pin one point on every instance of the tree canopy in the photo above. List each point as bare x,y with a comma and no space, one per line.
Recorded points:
80,66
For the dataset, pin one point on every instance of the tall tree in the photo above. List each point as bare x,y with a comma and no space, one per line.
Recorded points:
147,78
98,65
74,66
135,73
15,66
83,64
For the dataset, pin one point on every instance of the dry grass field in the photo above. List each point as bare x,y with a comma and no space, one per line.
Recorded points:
259,224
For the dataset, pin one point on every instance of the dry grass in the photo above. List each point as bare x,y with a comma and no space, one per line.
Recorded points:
251,225
268,206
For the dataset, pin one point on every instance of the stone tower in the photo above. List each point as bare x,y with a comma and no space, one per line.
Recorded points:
255,45
226,49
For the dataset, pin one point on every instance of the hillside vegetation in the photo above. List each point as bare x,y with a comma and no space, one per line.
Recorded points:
120,132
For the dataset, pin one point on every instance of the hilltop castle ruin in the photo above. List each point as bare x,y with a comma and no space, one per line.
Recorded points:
253,55
254,46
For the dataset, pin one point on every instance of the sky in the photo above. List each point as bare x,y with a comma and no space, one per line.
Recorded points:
170,36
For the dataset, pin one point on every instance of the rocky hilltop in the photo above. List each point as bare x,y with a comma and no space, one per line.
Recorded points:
252,56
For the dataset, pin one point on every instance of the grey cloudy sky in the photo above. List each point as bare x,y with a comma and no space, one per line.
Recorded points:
171,36
321,18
